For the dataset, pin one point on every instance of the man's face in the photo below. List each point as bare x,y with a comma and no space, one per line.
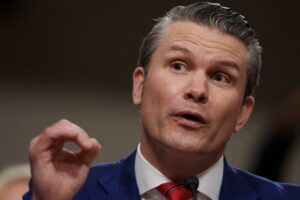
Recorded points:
191,99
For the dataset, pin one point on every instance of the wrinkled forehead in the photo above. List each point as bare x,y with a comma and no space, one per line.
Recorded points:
194,36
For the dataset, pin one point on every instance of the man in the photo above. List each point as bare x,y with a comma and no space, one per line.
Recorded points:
194,84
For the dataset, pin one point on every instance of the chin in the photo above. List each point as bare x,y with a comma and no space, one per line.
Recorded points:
185,146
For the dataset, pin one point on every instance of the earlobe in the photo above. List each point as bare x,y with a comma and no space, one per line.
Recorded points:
138,84
245,113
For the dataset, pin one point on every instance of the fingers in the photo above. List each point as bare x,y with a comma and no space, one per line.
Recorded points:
89,153
53,138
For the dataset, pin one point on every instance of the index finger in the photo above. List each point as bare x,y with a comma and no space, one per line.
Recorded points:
61,132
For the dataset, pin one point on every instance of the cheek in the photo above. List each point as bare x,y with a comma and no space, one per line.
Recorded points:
152,99
161,89
226,109
159,96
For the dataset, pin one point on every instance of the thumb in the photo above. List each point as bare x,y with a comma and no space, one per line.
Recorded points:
88,153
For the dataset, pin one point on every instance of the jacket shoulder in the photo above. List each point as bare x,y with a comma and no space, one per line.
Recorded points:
105,180
269,189
92,184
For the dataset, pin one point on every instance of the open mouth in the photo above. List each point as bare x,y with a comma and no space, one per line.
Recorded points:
191,118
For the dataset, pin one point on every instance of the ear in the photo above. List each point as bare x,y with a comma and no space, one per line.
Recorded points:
245,113
138,78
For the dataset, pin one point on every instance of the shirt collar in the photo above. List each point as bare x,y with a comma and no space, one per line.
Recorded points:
148,177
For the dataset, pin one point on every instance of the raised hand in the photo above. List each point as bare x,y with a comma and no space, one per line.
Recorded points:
58,173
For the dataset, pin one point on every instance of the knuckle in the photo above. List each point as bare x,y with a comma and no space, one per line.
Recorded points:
33,141
47,132
32,146
63,122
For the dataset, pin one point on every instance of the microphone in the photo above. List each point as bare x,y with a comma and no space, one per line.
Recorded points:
191,183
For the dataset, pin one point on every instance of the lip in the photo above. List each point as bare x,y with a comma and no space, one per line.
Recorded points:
190,119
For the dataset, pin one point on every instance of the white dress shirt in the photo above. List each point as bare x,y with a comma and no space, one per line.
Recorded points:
148,178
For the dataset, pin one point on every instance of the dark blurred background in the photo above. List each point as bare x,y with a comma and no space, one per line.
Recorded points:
73,59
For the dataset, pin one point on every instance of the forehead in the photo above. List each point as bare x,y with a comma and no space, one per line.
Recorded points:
210,41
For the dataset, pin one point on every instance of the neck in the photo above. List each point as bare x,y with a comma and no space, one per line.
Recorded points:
175,164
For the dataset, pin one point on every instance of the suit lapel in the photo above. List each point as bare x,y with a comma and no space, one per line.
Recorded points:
235,187
119,182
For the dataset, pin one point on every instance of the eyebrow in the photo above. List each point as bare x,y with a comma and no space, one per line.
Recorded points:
179,48
226,62
229,63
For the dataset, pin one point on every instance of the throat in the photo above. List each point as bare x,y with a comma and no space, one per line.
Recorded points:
176,165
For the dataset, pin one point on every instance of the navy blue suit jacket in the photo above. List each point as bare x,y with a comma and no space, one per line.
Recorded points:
116,181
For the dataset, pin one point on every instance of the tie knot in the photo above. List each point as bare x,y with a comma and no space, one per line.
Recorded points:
174,191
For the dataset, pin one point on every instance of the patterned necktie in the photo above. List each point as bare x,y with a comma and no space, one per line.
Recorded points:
174,191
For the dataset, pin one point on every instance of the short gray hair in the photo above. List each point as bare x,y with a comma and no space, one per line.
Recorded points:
215,16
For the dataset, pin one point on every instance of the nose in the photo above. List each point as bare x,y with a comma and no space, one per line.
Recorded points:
197,90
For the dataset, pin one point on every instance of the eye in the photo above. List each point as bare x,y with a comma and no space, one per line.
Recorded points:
178,66
221,77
